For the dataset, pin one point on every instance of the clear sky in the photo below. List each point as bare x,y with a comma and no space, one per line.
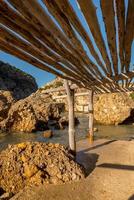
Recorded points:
43,77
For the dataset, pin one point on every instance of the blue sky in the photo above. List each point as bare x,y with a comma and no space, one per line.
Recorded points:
43,77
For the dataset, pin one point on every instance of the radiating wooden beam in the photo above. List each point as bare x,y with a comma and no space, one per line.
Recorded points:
8,48
31,36
89,11
65,6
67,28
13,39
120,9
50,40
109,20
129,33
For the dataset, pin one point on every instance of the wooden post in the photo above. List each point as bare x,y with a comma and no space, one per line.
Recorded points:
91,117
71,132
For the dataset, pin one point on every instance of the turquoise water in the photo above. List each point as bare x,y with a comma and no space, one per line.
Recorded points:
122,132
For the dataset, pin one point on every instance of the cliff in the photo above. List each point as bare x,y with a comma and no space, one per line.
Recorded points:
14,85
19,83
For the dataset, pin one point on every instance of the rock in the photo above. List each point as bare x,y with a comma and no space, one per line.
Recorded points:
48,134
6,100
114,109
28,164
29,170
19,83
31,114
14,85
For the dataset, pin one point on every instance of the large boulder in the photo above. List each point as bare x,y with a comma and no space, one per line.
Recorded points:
113,109
34,163
31,114
16,81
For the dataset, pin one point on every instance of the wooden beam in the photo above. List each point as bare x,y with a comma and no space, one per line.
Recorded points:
47,37
91,118
8,48
120,9
89,12
67,9
62,43
107,7
129,33
67,28
71,132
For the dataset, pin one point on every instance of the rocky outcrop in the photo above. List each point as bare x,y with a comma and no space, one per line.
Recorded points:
34,163
6,100
113,108
32,114
19,83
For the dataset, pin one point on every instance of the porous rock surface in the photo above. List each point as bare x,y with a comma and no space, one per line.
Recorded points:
6,101
34,163
113,108
31,114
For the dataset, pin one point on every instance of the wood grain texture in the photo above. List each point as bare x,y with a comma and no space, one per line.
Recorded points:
89,11
109,20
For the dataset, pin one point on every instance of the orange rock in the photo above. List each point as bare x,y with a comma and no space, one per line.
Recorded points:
48,134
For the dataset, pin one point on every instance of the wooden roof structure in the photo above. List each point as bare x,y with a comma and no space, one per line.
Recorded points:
52,40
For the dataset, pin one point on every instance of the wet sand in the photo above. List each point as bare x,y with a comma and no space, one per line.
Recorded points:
110,174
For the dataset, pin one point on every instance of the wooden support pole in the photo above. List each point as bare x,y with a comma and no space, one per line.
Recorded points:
71,131
91,117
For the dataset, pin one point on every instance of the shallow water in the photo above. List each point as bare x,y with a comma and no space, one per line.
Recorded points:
122,132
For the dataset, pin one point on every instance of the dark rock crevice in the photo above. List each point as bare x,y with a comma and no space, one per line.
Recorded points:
130,119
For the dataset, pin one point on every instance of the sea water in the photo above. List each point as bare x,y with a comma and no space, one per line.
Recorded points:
120,132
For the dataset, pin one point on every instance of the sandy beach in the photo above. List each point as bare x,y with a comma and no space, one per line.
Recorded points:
110,174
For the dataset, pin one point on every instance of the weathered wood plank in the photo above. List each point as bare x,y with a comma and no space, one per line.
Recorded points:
120,9
24,32
129,33
66,8
109,20
89,11
62,52
27,47
66,27
51,41
20,54
47,23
